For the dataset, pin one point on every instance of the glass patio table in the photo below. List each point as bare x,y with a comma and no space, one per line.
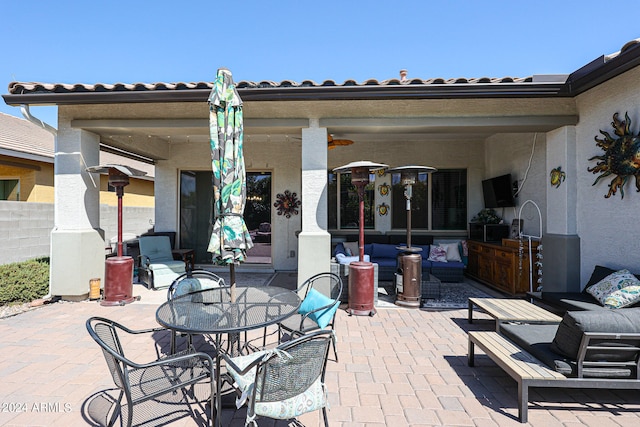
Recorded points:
211,311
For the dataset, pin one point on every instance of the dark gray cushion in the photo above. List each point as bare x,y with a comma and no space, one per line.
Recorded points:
574,323
572,300
536,340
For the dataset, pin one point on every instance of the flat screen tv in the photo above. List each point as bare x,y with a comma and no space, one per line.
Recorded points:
498,192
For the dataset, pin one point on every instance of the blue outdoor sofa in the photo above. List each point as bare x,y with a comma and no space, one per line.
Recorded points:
386,256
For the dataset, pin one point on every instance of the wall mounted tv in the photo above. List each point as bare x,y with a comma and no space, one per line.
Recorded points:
498,192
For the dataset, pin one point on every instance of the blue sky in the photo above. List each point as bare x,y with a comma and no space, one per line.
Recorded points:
74,41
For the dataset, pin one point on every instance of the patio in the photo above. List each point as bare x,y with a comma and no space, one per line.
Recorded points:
401,367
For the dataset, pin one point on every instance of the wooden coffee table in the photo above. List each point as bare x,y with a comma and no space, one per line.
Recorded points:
512,310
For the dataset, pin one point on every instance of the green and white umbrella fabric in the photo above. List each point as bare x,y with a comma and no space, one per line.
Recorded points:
230,237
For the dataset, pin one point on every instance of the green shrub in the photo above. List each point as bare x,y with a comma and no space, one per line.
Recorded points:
24,281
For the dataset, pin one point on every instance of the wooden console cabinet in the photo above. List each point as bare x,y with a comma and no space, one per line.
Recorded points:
501,266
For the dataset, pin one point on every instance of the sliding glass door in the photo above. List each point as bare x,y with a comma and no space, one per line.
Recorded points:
196,214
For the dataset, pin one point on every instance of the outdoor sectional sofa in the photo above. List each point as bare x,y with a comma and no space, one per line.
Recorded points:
574,301
588,349
386,256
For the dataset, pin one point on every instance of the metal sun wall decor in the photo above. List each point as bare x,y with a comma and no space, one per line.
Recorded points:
621,156
287,204
557,176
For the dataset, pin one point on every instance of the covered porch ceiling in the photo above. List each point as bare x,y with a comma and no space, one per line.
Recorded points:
158,127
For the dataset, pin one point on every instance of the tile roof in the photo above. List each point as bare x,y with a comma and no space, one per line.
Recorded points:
23,139
34,87
20,135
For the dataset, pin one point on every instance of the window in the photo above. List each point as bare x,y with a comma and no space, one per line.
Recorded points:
448,190
344,195
419,205
10,189
449,200
438,202
196,214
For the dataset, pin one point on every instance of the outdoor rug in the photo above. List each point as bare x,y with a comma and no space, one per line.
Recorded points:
452,296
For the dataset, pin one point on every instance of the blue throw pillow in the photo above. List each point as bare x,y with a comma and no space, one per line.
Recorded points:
314,300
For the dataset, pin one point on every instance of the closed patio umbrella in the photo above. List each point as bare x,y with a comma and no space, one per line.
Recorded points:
230,237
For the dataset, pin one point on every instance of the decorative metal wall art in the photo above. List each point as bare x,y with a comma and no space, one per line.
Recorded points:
287,204
557,176
621,156
383,209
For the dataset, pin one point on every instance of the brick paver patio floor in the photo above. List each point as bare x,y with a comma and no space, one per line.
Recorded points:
401,367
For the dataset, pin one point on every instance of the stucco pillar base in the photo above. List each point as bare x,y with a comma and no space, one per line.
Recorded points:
314,254
77,256
561,263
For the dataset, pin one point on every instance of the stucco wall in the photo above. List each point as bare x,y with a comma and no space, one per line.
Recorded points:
36,185
608,228
280,156
515,153
139,192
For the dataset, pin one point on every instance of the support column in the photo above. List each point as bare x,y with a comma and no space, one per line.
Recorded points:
314,241
561,243
77,243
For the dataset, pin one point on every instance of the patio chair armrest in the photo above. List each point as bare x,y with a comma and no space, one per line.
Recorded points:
144,261
128,330
174,359
229,361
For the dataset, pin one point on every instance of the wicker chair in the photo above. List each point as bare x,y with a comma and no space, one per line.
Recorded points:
186,283
284,382
142,382
313,317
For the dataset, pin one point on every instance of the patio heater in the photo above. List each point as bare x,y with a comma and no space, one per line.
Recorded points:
409,278
118,272
361,273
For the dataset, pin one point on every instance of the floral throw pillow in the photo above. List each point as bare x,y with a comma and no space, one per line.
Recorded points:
609,292
623,297
437,253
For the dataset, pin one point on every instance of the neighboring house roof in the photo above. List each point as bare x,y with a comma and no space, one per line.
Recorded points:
25,140
601,69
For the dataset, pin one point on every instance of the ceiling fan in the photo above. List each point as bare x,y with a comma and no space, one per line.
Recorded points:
333,143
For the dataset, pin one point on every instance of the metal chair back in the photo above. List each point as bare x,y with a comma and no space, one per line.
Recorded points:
141,382
192,281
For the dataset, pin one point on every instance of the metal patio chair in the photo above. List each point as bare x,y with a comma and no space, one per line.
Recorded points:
284,382
318,309
189,282
142,382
